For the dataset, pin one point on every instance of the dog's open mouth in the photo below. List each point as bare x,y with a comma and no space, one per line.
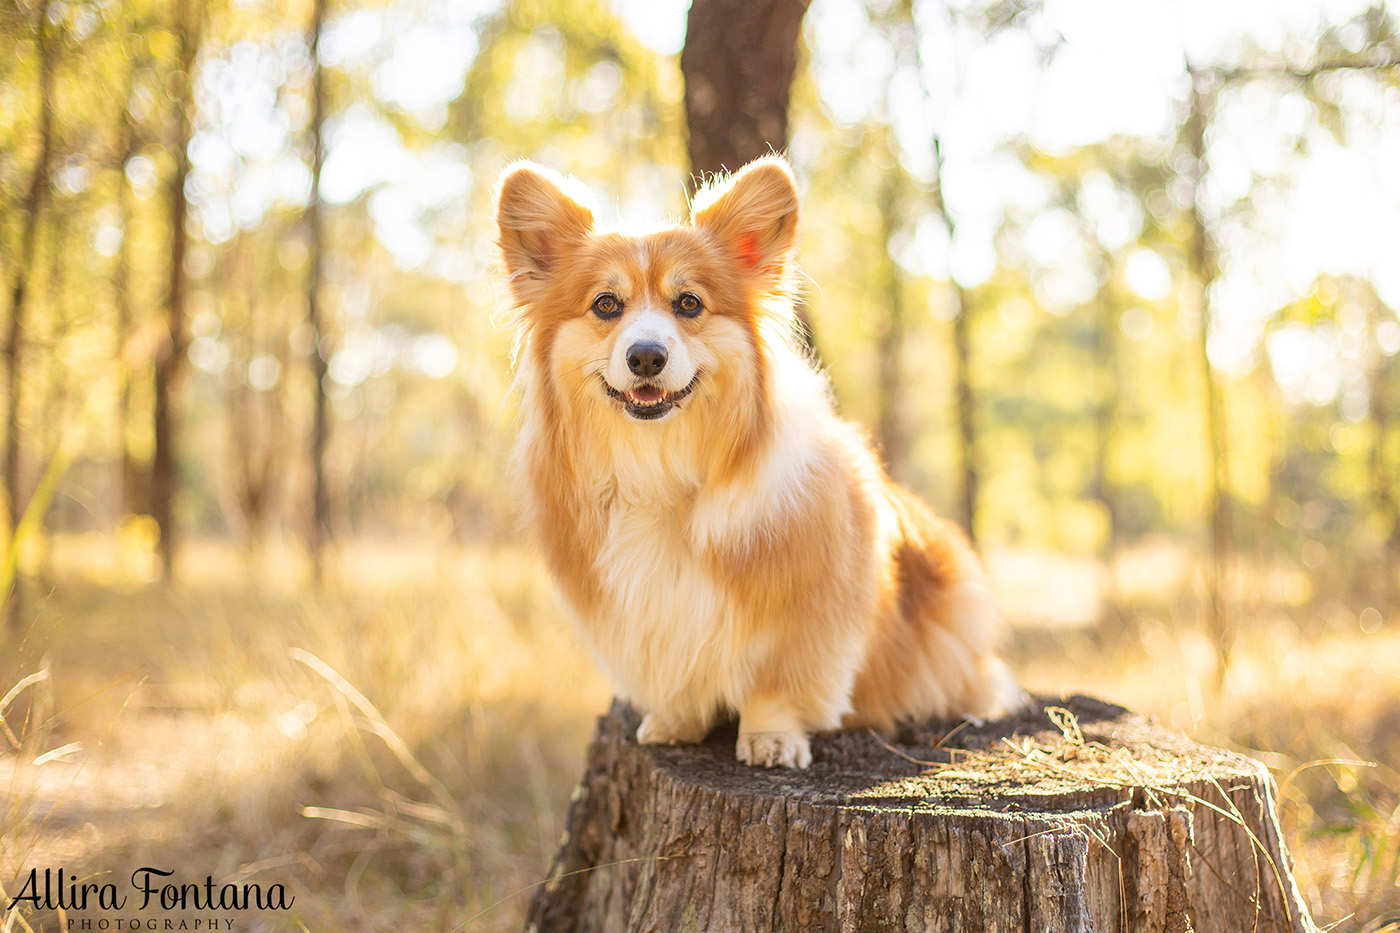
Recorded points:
648,401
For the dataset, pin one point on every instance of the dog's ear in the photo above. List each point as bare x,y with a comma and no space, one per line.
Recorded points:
754,215
540,215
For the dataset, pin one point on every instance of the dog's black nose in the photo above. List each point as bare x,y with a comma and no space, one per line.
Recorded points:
646,359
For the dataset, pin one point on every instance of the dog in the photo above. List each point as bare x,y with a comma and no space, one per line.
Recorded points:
723,540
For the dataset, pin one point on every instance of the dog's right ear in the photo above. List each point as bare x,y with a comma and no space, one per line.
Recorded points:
540,215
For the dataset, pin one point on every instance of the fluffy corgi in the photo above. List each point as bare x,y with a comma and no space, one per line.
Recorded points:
725,542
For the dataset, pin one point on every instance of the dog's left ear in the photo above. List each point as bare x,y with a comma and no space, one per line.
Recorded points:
754,215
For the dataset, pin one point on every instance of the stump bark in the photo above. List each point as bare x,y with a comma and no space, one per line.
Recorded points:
1073,816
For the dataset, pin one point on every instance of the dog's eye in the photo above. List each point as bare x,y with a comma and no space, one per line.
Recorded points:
607,306
688,305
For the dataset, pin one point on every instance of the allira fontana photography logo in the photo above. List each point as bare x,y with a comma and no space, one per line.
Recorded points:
149,890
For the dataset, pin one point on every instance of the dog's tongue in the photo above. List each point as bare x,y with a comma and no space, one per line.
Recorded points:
647,394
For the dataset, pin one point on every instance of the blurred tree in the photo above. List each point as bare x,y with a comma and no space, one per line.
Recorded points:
963,318
1348,445
131,482
319,532
53,389
1203,263
1377,377
257,414
1204,269
170,357
1107,308
985,20
1103,187
605,106
1382,386
890,427
20,274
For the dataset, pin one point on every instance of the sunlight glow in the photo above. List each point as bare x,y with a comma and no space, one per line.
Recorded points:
1118,71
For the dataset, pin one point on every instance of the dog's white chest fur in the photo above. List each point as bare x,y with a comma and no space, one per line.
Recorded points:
665,632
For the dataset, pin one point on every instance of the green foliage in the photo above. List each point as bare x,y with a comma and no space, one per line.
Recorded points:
1086,383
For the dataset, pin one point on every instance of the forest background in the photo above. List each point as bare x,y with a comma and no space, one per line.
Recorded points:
1112,285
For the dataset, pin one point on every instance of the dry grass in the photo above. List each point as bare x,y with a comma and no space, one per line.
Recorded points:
399,750
1313,690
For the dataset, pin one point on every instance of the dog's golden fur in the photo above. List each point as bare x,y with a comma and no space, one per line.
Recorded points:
725,542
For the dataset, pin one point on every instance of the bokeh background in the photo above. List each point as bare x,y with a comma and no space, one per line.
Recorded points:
1113,285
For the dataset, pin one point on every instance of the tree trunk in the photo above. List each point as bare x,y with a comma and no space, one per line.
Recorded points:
1074,818
19,290
890,423
52,415
320,500
1383,501
1106,307
962,365
170,358
129,478
1202,261
739,60
256,422
966,402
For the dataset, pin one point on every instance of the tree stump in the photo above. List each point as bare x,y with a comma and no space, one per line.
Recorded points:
1075,815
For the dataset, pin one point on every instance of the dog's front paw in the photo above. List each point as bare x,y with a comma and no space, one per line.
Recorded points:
774,749
658,730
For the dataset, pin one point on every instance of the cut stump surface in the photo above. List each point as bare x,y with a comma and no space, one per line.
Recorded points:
1075,815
